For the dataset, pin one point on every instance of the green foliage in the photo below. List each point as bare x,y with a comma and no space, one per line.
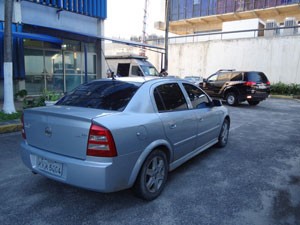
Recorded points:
6,117
22,93
285,89
51,95
31,102
37,101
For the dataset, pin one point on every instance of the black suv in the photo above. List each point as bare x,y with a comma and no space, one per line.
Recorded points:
237,86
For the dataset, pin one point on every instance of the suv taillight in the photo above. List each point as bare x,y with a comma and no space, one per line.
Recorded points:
100,142
23,128
249,83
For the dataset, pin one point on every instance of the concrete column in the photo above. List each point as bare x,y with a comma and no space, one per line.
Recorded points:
101,73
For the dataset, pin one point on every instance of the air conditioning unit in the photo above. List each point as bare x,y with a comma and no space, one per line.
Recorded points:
273,26
289,26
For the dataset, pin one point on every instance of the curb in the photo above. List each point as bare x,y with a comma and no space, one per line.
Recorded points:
9,128
284,97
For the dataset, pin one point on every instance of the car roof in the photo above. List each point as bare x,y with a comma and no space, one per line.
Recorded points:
137,79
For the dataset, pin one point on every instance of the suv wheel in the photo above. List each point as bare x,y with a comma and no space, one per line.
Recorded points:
253,102
153,176
231,99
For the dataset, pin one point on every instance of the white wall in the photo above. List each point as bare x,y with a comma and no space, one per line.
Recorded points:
241,25
278,57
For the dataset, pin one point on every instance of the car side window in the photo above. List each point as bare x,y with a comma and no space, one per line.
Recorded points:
135,70
224,76
196,96
237,77
169,97
212,78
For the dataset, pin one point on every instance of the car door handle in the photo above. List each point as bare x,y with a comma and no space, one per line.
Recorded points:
201,119
172,126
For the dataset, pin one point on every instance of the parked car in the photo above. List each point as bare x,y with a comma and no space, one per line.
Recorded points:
237,86
114,134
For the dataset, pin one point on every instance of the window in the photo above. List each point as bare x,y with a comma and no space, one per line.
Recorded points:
213,78
149,70
224,76
257,77
237,77
135,70
169,97
108,95
182,9
197,96
204,8
174,8
189,9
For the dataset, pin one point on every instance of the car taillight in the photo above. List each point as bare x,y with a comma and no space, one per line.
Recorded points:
249,83
100,142
268,83
23,128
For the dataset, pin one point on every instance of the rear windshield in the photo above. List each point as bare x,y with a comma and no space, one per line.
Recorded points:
257,77
109,95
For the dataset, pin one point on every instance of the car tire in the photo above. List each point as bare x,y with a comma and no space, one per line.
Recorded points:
223,136
152,176
231,99
253,102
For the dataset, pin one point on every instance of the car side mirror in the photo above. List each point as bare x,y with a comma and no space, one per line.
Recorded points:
217,102
204,80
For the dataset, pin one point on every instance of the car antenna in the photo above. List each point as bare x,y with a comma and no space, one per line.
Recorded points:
113,77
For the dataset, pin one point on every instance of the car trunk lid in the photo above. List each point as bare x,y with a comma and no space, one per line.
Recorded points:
61,129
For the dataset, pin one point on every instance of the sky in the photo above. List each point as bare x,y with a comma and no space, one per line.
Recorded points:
125,17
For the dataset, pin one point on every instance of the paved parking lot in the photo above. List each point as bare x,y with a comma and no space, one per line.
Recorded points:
254,180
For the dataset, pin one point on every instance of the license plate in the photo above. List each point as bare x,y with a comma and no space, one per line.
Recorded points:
261,86
50,166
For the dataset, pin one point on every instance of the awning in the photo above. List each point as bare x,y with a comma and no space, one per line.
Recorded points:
39,37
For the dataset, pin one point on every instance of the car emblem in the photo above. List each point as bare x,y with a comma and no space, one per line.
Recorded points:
48,131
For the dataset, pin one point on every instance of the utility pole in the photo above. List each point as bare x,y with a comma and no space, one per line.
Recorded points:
143,51
8,105
167,19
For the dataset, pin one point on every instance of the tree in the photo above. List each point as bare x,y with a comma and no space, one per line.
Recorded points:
8,105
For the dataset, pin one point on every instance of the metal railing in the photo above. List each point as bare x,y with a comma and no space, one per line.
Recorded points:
251,33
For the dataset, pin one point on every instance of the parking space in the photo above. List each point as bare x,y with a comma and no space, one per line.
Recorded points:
255,179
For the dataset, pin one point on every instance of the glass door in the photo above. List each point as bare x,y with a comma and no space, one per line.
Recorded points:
52,75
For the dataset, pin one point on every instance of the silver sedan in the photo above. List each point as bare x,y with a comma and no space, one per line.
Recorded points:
114,134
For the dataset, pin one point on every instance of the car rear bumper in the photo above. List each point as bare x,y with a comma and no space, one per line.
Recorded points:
89,174
255,96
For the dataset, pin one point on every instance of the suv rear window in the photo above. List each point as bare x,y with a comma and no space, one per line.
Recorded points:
257,77
109,95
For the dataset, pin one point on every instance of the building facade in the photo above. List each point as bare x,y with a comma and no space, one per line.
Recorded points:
56,43
196,16
261,35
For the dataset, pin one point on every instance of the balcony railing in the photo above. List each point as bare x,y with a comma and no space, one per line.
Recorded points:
251,33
